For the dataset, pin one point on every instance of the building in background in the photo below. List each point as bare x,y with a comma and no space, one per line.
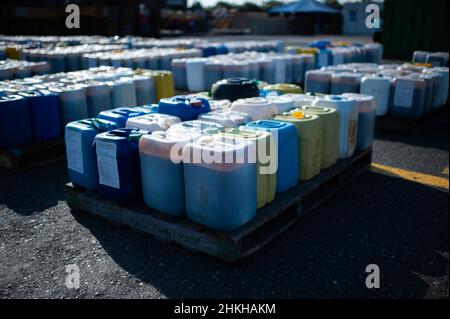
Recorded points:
310,17
354,17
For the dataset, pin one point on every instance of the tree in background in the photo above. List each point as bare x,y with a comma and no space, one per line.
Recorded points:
272,4
197,6
225,5
334,4
250,7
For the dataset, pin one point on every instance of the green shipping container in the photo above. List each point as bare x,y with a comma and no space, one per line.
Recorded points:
414,25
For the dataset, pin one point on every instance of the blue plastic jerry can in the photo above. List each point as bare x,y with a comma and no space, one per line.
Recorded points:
220,194
162,174
15,125
44,115
80,149
118,164
285,137
186,108
122,114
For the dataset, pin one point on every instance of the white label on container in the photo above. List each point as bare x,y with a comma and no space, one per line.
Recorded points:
108,171
404,93
74,151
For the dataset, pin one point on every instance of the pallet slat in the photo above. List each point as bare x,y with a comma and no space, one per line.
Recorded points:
270,221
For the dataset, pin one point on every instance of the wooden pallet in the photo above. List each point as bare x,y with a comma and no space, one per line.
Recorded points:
270,221
32,155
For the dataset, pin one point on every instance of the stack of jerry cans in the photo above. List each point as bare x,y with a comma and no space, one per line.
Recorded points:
73,103
266,161
118,164
122,114
220,194
429,91
443,86
318,81
145,89
236,69
179,74
366,119
195,74
213,73
217,105
286,144
123,93
310,142
44,115
186,108
153,122
162,171
282,103
437,80
408,97
345,83
234,88
164,86
259,108
195,128
284,88
330,124
162,168
80,149
226,118
300,99
98,98
348,117
267,70
380,88
15,126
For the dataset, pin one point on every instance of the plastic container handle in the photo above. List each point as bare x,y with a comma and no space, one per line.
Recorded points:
123,132
125,112
269,124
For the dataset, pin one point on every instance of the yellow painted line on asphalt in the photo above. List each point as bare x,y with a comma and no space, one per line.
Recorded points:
425,179
445,171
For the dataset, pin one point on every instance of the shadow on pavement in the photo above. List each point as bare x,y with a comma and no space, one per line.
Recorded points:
399,225
429,132
34,190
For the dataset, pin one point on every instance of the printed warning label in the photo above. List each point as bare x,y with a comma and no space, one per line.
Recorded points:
108,171
74,151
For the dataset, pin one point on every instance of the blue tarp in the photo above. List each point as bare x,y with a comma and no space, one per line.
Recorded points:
304,6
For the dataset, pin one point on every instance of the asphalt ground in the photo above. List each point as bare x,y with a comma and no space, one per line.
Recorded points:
395,216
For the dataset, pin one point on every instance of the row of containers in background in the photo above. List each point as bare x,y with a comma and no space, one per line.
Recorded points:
71,58
402,90
148,153
17,69
407,90
198,74
36,109
20,43
433,59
